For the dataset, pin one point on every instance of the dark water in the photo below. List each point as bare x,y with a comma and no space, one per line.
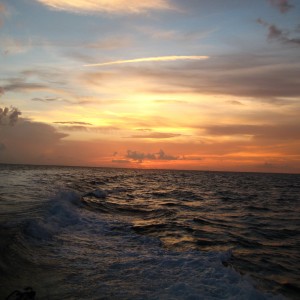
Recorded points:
93,233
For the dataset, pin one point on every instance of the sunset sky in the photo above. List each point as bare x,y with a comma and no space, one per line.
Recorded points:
193,84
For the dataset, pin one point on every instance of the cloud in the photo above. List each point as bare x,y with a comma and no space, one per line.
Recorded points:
283,5
104,6
10,45
155,135
21,86
259,77
49,75
141,156
110,43
275,33
48,99
35,80
97,129
180,36
150,59
121,161
73,123
2,8
235,102
3,13
191,157
261,132
29,142
163,156
9,116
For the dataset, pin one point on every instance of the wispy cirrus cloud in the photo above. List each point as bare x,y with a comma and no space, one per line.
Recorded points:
110,43
178,35
104,6
150,59
11,46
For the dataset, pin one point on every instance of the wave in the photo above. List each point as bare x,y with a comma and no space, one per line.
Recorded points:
168,233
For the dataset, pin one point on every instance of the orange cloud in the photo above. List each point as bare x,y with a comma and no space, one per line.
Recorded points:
115,6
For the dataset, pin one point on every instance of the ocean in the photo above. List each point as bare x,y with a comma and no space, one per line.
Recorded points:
100,233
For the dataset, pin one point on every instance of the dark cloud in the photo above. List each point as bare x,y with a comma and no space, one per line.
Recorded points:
282,5
265,132
36,79
141,156
73,123
163,156
235,102
121,161
259,77
48,99
156,135
275,33
87,128
29,142
23,87
191,158
9,116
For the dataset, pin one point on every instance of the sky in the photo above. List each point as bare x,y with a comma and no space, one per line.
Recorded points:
193,84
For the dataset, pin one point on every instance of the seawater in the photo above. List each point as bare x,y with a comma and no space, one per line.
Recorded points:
96,233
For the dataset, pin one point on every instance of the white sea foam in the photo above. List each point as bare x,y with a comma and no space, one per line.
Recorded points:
98,193
162,239
110,260
61,213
